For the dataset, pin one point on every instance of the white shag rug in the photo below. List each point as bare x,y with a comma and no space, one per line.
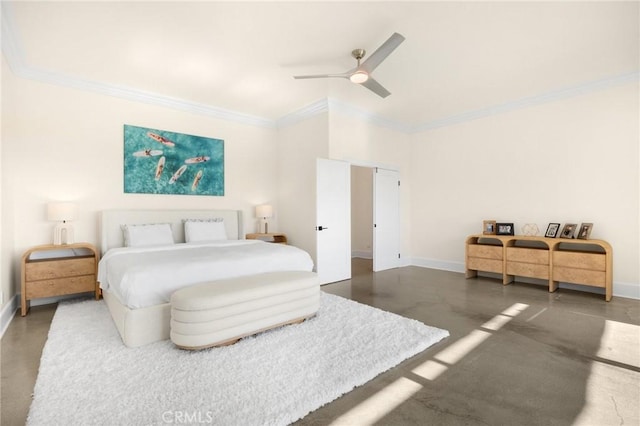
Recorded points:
87,376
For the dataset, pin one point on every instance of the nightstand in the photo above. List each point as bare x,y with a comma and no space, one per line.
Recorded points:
56,270
270,238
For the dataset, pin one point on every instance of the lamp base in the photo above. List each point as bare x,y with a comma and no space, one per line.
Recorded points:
266,227
63,234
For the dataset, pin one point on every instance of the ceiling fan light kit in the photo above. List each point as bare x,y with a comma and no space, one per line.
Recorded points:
359,77
361,74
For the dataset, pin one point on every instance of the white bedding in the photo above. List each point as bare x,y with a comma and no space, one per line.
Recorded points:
146,276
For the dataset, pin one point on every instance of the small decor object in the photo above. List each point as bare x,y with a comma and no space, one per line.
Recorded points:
162,162
62,212
568,230
504,228
264,211
530,229
585,231
489,227
552,230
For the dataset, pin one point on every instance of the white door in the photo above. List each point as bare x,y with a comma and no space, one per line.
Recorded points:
386,219
333,220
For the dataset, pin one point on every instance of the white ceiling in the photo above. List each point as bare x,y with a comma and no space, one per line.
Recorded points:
238,56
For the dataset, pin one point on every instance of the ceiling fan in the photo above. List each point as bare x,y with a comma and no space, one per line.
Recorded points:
361,74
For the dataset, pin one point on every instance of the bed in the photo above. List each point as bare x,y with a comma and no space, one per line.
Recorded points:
137,281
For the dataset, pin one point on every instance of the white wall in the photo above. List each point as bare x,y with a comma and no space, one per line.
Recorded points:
66,144
574,160
298,147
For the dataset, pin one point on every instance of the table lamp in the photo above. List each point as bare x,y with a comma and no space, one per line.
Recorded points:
63,213
264,211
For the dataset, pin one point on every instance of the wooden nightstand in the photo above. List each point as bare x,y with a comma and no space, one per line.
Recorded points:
56,270
270,238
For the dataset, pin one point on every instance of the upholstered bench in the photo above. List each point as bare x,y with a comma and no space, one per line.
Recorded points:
221,312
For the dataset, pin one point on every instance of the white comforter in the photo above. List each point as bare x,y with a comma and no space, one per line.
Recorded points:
146,276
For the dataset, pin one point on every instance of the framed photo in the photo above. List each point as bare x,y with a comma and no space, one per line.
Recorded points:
504,228
489,227
585,231
568,230
552,230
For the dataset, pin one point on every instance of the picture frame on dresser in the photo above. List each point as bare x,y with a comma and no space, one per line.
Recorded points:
568,230
504,228
552,230
489,227
585,231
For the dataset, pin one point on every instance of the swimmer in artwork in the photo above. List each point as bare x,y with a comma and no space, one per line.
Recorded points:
196,180
160,139
195,160
160,168
177,174
147,153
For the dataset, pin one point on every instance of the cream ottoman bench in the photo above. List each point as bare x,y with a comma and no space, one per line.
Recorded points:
221,312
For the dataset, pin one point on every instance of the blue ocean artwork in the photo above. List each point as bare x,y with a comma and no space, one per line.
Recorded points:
162,162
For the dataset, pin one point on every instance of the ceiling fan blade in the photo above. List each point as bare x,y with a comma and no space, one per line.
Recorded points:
382,52
343,75
376,87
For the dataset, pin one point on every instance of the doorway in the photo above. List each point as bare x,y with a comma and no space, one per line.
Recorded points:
375,193
375,217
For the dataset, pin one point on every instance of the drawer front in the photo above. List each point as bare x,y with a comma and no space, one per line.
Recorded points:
592,261
50,269
531,270
579,276
60,286
485,252
527,255
488,265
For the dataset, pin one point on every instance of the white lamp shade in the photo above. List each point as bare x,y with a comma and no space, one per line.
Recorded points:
62,211
264,210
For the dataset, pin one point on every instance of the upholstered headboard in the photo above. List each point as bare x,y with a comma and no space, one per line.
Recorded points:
111,222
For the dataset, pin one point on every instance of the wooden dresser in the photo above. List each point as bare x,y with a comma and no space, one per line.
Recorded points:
56,270
585,262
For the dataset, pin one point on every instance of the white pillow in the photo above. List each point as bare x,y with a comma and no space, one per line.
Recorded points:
153,234
199,230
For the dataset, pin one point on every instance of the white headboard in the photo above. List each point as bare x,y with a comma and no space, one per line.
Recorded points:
111,222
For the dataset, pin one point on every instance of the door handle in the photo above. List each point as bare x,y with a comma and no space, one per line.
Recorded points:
320,228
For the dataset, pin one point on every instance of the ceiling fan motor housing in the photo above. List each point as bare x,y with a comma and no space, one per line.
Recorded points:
358,54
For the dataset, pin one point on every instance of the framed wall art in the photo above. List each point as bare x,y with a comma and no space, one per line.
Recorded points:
164,162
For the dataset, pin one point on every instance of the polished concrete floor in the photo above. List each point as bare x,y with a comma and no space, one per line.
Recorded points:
517,355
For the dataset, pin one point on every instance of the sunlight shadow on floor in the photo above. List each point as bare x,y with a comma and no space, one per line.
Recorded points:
386,400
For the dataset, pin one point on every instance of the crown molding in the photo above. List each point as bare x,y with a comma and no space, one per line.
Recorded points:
316,108
552,96
334,105
13,52
348,109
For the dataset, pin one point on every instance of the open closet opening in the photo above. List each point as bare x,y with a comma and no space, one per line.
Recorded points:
361,219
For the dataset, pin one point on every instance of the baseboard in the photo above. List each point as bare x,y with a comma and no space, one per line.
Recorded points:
8,312
362,254
626,290
438,264
10,309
